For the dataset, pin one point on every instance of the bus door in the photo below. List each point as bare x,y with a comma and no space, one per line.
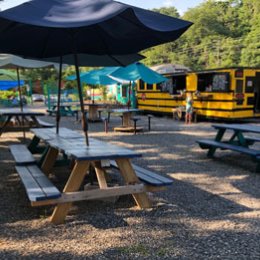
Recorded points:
256,83
253,88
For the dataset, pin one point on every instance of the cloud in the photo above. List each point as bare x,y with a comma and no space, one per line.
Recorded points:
168,3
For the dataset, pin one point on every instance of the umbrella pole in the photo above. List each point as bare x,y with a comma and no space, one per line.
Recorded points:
129,92
59,98
84,120
20,97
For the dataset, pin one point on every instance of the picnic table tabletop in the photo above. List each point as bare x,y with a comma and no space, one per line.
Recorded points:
50,133
124,110
18,112
97,150
238,127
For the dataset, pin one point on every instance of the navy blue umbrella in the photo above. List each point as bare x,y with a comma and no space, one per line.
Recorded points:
54,28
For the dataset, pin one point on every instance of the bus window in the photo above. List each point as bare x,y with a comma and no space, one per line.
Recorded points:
250,85
167,86
179,84
220,82
205,82
149,86
213,82
159,86
141,85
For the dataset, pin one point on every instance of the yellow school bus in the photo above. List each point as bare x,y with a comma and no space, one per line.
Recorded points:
228,93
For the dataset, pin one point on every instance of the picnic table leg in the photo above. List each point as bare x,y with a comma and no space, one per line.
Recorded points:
218,138
101,175
35,121
49,160
130,177
33,144
108,116
5,124
127,119
73,184
241,139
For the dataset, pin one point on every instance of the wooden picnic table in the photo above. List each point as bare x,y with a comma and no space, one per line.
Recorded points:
93,108
22,120
84,156
127,116
65,109
237,141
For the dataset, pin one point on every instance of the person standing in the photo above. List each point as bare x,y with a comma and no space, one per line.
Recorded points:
189,108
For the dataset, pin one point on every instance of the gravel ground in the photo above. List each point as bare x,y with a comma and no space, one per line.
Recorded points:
210,212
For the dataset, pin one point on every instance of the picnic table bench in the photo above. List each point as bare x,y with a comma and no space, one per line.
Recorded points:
237,142
37,185
153,181
65,110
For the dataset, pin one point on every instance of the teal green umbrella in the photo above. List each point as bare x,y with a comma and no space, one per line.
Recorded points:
135,72
138,71
97,77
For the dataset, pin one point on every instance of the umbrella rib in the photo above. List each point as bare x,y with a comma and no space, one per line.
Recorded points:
100,35
143,27
116,60
45,44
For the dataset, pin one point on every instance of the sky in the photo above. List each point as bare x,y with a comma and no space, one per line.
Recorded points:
181,5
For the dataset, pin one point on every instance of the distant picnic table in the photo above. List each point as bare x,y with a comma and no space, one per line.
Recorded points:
22,120
238,141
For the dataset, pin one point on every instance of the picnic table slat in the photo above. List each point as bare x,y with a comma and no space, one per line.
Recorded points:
38,187
21,154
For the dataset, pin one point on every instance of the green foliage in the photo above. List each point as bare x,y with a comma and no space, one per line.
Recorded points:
224,34
6,94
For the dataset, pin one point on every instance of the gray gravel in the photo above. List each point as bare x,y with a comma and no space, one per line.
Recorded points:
210,212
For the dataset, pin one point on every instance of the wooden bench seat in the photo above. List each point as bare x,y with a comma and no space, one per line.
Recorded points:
21,154
37,185
148,177
207,144
51,111
45,124
251,140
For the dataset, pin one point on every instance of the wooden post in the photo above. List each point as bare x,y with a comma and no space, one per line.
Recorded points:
100,175
49,160
130,177
84,119
73,184
59,98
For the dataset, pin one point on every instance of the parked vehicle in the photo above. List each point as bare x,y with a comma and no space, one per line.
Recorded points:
228,93
38,98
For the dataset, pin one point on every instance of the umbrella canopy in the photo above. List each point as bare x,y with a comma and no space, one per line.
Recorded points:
55,28
99,60
10,61
137,71
15,62
50,28
97,76
8,75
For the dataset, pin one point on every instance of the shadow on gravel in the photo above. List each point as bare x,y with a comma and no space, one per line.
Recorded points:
200,203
